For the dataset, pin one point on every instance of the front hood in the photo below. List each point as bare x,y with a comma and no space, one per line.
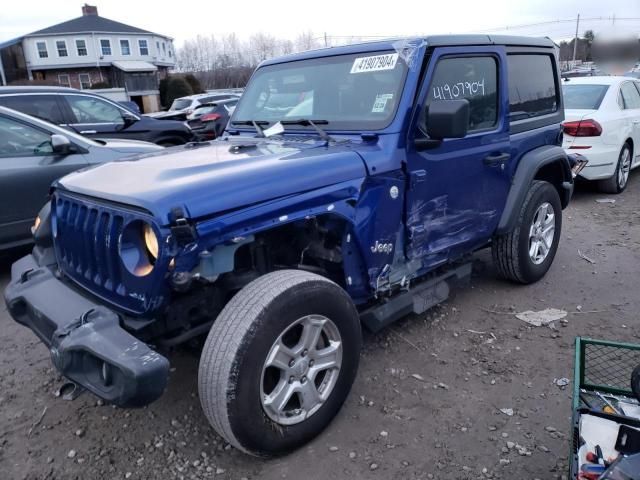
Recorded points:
128,146
210,179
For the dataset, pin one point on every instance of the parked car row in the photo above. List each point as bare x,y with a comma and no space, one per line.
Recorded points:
182,107
602,122
92,115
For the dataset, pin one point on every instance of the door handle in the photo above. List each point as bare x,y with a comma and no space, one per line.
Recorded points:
88,132
496,159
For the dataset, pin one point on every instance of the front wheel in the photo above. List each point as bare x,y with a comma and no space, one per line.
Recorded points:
279,362
525,254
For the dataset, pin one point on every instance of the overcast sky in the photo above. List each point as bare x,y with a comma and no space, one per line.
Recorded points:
286,19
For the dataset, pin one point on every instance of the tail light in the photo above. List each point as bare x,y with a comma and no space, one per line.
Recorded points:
582,128
210,117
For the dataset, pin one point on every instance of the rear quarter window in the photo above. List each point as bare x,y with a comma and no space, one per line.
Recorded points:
533,91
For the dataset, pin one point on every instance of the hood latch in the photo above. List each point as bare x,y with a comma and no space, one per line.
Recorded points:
181,229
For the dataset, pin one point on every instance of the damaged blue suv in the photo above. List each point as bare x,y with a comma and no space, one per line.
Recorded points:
350,188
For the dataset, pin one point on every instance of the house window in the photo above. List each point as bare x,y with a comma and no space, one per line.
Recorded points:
61,47
105,46
42,50
63,80
125,48
81,47
158,47
164,48
169,52
85,81
144,47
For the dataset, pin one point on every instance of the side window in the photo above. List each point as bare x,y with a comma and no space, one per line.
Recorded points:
630,96
45,107
20,140
472,78
532,86
93,110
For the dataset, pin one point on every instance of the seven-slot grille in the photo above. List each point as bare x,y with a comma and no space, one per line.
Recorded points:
86,242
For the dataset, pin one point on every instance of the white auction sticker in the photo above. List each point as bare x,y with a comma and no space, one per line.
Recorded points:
275,129
375,63
381,102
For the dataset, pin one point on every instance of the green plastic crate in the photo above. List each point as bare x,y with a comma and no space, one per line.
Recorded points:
604,367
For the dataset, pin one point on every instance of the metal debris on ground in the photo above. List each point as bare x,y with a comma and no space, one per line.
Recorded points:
542,317
561,382
507,411
584,257
605,200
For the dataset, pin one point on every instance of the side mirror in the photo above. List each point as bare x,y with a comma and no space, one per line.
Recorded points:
60,144
129,119
448,119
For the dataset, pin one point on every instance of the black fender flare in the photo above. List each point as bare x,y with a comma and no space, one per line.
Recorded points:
529,165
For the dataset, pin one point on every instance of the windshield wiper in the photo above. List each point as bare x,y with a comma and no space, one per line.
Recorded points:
311,123
256,124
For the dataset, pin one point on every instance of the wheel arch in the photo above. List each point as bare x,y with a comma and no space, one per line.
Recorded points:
548,163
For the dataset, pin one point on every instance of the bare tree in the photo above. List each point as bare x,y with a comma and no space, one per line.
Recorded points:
227,61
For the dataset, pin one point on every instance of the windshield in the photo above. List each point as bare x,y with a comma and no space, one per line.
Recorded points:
350,92
180,104
583,97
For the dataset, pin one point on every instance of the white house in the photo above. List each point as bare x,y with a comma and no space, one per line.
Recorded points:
88,50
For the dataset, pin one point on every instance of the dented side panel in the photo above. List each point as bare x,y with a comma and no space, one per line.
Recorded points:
378,221
455,195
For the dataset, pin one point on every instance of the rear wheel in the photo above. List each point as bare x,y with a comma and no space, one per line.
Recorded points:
525,254
279,362
618,181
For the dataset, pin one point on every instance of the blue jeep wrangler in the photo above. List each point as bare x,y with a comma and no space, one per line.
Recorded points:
351,187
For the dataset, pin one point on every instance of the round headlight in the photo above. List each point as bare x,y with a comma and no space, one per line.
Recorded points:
150,240
139,247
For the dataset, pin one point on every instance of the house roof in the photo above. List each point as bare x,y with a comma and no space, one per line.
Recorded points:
88,24
134,66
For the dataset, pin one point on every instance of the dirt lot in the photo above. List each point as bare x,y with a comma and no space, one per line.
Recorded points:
426,403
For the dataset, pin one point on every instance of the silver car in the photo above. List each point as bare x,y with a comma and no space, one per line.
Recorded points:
34,153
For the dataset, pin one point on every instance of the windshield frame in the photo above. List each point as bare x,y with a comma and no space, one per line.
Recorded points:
350,126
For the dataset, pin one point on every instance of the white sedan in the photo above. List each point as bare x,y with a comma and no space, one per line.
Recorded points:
602,122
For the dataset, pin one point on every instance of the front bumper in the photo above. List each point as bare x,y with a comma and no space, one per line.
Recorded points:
86,341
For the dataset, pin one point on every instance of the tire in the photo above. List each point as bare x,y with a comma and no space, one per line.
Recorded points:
620,178
232,374
511,252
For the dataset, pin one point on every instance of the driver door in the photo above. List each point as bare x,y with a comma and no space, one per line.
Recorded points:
28,166
458,186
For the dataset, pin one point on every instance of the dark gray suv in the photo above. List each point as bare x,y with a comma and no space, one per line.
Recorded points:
92,115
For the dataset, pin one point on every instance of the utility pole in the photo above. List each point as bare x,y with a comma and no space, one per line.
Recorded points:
575,41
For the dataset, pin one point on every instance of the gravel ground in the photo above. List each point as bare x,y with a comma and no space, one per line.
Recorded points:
426,403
